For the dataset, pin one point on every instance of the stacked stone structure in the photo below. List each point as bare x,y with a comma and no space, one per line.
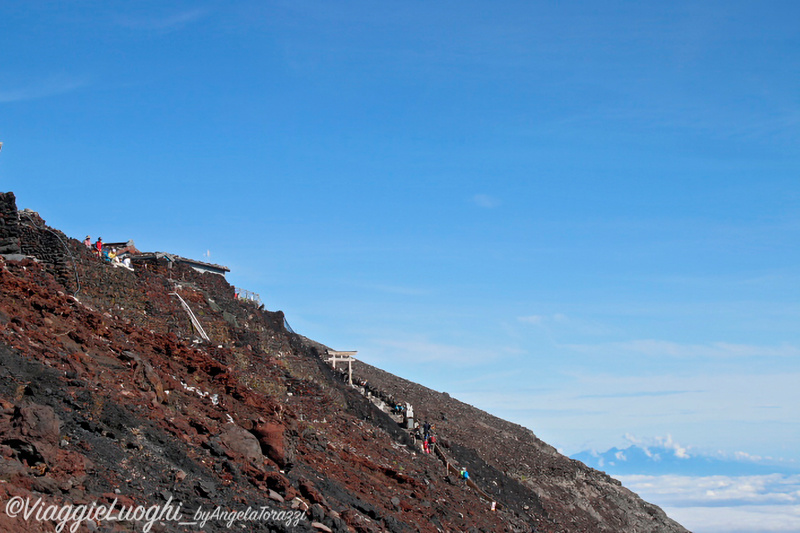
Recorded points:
24,232
9,224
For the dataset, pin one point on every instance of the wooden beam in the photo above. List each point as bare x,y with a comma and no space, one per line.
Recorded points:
335,352
342,357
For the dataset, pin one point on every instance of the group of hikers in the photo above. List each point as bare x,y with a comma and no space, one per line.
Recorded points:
427,437
108,255
394,406
424,433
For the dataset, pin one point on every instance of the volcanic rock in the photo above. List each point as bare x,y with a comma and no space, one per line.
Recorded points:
108,391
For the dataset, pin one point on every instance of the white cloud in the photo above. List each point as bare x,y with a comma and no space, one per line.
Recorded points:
659,348
741,519
486,201
633,439
174,21
393,289
541,320
702,491
536,320
421,350
567,325
51,86
744,456
724,504
668,443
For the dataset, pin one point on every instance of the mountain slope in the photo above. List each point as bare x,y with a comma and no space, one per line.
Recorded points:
107,393
526,473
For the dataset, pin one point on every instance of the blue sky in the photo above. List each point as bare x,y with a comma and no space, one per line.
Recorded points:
579,216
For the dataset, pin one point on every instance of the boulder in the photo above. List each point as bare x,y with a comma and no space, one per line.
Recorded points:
271,438
239,441
33,434
144,375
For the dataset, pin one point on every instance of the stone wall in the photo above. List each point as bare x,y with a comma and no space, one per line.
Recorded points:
26,233
9,224
41,242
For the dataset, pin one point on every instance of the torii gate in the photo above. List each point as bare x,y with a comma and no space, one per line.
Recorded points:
344,357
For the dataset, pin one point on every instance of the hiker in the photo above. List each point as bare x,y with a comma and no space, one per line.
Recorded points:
88,241
112,256
98,246
464,474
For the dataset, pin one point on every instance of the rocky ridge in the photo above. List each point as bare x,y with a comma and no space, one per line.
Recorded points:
108,395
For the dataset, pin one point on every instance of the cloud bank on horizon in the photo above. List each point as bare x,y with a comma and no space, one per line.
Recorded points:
707,491
724,504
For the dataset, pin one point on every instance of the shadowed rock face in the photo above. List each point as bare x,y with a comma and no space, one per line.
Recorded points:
9,229
111,396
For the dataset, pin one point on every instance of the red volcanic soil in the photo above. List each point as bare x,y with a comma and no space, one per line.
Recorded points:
108,395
